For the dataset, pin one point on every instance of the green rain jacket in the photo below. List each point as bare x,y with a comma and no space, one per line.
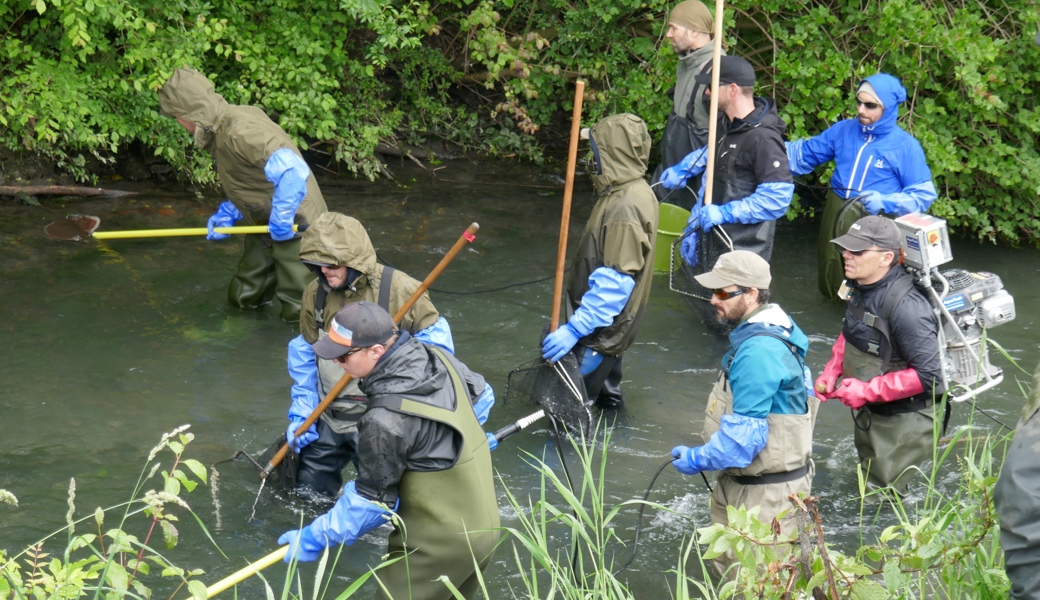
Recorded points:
240,139
622,229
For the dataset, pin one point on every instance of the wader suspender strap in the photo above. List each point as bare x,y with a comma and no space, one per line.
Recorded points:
323,296
319,305
384,287
879,323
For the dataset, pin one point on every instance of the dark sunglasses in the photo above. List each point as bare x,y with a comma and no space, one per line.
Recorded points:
342,359
724,295
862,252
869,105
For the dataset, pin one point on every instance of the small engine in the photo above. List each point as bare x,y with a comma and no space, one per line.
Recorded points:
977,302
969,305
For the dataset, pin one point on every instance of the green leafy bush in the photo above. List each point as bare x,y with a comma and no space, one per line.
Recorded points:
495,76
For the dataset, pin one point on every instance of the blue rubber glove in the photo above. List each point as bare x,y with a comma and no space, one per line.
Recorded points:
492,440
677,175
352,516
302,545
226,216
482,407
684,460
557,344
304,371
688,247
298,442
438,334
289,173
711,216
872,202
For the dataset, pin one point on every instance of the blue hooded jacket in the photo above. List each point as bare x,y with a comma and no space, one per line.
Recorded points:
881,158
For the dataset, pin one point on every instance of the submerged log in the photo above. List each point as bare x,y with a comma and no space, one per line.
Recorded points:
59,190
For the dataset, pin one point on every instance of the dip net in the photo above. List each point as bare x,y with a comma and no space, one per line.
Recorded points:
557,388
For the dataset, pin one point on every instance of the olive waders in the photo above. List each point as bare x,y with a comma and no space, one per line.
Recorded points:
782,468
1018,502
450,516
893,437
270,269
838,216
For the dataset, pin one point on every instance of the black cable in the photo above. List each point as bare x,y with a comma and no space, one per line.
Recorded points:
570,485
639,519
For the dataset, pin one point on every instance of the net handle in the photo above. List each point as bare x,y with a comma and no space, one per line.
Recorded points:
568,190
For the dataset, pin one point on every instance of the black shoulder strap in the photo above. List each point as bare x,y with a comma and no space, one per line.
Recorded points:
384,288
895,294
319,305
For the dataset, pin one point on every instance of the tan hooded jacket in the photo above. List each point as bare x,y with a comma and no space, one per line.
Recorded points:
622,229
240,139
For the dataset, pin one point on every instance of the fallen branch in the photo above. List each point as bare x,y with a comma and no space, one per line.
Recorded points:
59,190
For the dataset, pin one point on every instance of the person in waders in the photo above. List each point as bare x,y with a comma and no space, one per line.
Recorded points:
751,187
878,168
421,454
885,364
690,28
1018,500
337,248
761,412
266,180
609,285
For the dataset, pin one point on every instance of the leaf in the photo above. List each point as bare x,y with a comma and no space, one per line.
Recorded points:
197,468
41,6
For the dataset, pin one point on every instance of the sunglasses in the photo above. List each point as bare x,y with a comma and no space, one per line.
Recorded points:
862,252
869,105
342,359
724,295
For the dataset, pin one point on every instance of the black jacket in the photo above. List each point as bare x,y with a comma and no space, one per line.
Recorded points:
913,327
389,443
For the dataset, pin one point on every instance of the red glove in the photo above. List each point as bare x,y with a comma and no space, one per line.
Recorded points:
883,388
826,381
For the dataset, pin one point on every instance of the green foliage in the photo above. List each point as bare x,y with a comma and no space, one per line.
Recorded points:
113,563
496,76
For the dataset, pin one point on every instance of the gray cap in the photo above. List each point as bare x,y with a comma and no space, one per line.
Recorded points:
869,232
357,325
741,268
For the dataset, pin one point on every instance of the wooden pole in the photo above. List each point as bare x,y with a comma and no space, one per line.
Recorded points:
713,110
568,190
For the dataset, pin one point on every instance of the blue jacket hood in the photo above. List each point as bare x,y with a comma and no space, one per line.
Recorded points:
771,320
891,93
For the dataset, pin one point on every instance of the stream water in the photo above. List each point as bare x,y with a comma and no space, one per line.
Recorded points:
108,346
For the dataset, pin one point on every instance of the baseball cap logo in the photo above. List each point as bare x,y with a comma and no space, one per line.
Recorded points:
340,334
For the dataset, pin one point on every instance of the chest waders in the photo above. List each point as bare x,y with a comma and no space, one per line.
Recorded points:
838,215
1017,495
892,437
270,269
782,468
445,513
681,136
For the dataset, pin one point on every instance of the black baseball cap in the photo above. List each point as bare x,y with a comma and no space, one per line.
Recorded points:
869,232
732,69
358,325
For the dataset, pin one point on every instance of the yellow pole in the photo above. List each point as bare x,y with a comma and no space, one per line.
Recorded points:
241,575
154,233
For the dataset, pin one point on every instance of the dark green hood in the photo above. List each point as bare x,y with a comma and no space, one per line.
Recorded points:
622,147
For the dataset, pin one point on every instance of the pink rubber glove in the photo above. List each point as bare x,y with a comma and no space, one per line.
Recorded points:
829,378
883,388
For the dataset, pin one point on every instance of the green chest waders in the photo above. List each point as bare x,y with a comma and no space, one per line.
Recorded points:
893,437
449,516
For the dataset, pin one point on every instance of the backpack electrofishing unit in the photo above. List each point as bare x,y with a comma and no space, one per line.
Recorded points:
968,305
